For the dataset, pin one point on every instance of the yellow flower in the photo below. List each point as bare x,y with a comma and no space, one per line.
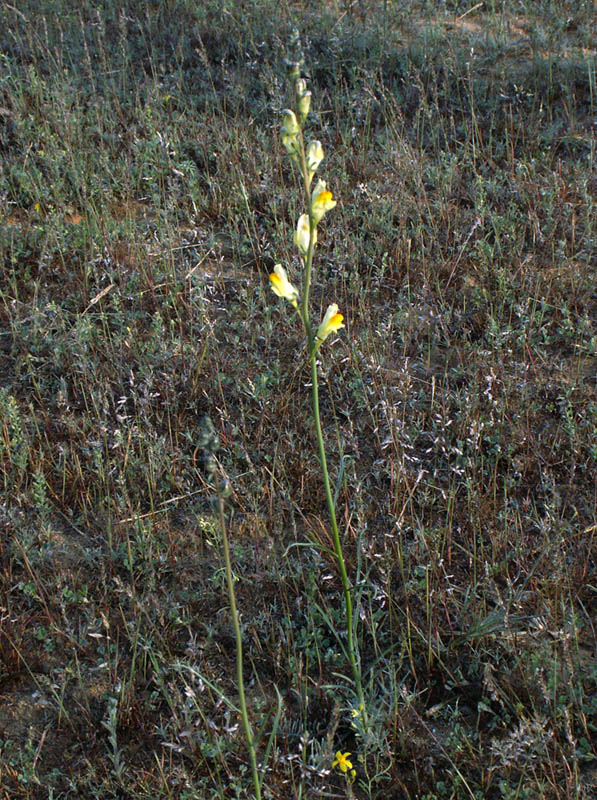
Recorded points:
282,286
300,87
331,323
302,234
321,200
314,157
342,762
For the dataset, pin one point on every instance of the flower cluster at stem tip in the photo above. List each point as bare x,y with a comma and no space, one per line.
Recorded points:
320,200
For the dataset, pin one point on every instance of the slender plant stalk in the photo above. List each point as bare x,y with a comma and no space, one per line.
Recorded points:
352,651
313,348
318,201
239,647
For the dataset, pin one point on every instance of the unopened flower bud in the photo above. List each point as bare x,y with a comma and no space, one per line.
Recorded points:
290,124
304,104
294,69
291,143
314,157
302,235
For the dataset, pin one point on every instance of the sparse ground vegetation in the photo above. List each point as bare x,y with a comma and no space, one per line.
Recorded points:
145,199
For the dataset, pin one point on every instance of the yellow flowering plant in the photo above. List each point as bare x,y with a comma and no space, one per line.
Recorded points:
341,761
318,200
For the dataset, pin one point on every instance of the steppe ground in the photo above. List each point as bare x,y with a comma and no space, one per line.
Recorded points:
145,198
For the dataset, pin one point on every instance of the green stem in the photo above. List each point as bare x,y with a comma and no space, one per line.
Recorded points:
313,347
239,647
352,653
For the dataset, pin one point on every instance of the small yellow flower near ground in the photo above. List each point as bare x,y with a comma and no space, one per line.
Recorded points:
282,286
302,234
331,323
322,200
342,762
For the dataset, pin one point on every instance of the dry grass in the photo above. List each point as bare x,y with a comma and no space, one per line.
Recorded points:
145,199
